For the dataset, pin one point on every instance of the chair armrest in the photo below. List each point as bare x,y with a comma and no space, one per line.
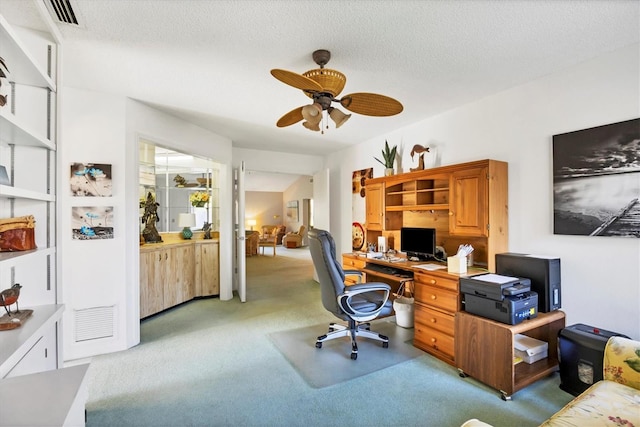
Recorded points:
367,287
344,299
622,361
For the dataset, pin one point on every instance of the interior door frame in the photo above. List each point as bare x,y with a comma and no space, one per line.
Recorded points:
240,270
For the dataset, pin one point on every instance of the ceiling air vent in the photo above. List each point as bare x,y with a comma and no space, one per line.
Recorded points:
63,10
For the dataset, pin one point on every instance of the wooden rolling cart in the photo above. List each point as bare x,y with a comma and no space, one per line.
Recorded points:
485,350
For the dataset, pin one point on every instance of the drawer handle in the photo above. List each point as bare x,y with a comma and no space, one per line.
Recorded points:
433,282
433,340
433,297
433,320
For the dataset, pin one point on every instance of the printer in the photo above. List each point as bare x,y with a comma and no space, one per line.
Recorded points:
502,298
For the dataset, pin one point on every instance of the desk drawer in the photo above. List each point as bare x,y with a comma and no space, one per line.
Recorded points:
441,282
437,297
353,263
435,319
427,338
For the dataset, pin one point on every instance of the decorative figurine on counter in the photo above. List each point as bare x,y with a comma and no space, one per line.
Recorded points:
9,297
150,217
180,181
206,227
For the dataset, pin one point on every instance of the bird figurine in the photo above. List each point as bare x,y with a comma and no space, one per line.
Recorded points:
420,150
9,297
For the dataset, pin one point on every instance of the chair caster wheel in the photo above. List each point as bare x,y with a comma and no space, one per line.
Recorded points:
385,345
354,356
318,345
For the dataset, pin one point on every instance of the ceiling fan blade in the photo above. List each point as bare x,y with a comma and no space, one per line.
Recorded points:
292,117
296,80
371,104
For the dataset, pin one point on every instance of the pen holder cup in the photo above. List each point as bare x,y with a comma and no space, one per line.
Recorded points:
457,264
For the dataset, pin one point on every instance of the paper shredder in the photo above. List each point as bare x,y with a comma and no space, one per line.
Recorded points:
581,350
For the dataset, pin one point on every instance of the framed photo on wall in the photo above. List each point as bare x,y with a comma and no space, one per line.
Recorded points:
596,181
90,179
91,222
292,210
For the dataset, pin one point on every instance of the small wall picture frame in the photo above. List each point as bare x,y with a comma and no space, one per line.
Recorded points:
92,222
90,180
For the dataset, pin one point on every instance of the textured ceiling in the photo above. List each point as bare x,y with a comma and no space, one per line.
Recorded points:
209,61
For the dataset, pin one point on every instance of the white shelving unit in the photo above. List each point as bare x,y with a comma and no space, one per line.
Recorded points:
32,380
28,152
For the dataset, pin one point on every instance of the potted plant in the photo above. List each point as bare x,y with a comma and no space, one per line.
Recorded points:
389,156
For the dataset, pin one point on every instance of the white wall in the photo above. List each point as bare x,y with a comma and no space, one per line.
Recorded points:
263,206
301,189
101,128
272,161
92,273
600,275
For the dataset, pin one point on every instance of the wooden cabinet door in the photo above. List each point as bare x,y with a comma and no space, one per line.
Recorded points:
468,210
209,266
171,277
151,288
375,206
179,284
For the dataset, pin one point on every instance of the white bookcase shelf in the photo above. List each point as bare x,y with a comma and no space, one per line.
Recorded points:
12,130
8,192
22,66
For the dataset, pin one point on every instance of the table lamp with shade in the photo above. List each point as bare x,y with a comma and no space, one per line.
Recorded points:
251,223
187,220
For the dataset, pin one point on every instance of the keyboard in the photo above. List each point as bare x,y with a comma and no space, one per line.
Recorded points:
388,270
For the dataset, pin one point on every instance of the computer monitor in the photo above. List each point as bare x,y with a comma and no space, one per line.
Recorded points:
418,242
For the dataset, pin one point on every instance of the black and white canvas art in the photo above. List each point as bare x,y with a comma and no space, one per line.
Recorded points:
90,179
596,181
92,222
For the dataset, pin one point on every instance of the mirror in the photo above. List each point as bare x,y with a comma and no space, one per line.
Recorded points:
180,183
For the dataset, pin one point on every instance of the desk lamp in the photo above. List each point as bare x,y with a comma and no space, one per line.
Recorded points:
186,220
251,223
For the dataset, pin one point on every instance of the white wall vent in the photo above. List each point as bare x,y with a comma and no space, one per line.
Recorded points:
63,11
93,323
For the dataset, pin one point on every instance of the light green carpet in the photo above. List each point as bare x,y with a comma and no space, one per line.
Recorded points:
212,363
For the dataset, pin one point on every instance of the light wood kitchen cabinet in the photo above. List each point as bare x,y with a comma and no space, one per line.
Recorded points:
206,269
167,276
180,274
151,287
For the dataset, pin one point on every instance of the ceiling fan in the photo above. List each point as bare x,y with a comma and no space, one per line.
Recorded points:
323,85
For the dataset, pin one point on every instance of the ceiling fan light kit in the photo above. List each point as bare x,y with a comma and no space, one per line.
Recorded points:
323,86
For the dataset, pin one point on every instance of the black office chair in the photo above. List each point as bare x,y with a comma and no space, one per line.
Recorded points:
357,304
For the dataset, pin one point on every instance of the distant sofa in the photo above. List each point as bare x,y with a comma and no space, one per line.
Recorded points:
613,401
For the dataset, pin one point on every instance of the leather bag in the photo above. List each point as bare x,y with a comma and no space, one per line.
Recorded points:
17,234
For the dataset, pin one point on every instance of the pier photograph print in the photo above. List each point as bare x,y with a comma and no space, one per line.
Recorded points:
596,181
